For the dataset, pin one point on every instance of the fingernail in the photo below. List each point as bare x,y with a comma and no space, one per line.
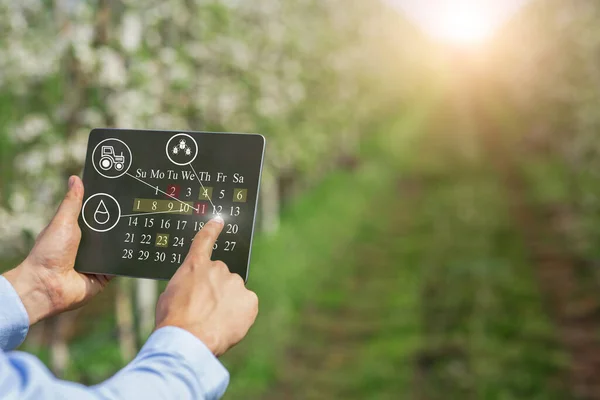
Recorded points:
218,219
71,182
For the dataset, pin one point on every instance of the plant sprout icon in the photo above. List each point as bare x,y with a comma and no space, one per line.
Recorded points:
101,215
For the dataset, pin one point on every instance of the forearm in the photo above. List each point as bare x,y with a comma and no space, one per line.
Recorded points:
172,364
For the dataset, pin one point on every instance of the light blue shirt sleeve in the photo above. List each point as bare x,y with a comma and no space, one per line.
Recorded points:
173,364
14,321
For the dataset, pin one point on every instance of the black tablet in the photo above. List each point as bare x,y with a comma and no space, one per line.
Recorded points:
147,193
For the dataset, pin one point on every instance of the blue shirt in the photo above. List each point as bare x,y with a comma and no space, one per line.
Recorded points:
173,364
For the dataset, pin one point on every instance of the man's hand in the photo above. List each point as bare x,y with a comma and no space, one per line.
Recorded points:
46,281
204,298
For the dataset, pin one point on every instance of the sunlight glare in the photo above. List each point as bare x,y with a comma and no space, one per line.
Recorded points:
464,25
460,22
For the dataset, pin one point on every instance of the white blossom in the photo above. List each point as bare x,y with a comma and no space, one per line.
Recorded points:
112,68
131,32
215,68
32,127
56,154
31,162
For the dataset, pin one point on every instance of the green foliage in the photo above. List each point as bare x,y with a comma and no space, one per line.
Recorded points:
313,231
486,334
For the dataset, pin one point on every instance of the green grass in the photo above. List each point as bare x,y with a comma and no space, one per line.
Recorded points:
438,301
441,302
289,267
355,324
488,334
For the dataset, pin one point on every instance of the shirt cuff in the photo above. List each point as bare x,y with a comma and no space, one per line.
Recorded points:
14,320
212,375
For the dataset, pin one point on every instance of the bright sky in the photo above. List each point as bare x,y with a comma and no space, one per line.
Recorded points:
459,21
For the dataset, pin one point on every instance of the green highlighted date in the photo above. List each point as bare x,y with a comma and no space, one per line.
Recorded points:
162,206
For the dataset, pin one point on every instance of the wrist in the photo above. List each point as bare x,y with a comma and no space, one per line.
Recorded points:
32,292
211,341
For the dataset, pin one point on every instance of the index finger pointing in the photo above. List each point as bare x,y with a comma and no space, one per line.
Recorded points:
203,243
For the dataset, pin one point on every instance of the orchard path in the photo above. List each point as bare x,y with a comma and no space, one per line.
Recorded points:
351,343
440,298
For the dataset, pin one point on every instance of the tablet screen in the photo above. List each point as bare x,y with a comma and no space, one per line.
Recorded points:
147,193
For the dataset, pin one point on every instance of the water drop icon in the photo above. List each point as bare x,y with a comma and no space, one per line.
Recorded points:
101,215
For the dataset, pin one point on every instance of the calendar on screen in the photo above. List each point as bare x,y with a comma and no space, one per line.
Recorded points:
147,194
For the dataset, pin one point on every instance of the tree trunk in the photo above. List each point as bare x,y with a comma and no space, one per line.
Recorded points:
125,323
146,294
60,327
269,196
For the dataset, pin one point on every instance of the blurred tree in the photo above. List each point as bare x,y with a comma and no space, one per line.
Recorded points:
558,104
310,75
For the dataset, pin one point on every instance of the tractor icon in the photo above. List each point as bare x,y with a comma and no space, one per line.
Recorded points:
108,159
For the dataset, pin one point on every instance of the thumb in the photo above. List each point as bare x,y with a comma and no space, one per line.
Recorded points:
69,209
